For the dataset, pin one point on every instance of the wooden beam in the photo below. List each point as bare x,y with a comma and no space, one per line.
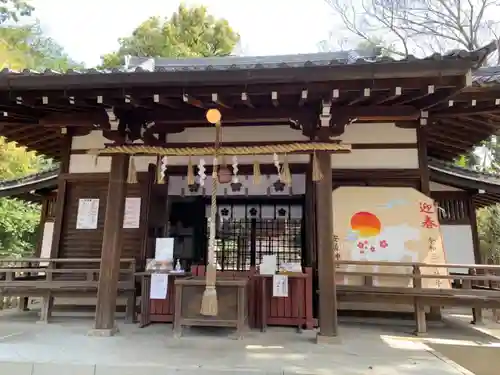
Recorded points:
457,112
245,98
163,101
85,119
111,246
188,99
303,98
274,98
217,100
397,93
328,323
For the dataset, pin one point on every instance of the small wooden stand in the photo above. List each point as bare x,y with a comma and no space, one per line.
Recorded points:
296,294
157,310
232,305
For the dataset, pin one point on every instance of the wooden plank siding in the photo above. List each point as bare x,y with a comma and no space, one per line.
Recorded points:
80,243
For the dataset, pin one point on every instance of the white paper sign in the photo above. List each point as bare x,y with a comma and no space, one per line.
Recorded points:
268,265
164,251
132,214
280,286
159,286
88,213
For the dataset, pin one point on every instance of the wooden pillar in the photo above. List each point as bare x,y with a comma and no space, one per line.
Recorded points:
147,196
111,247
328,324
311,253
473,226
61,195
423,163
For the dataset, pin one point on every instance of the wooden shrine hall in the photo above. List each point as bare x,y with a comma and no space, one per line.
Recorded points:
240,158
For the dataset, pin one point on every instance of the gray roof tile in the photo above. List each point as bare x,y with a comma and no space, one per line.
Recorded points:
158,64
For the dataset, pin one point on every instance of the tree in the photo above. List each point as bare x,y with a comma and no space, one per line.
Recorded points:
18,227
421,26
189,32
26,47
13,10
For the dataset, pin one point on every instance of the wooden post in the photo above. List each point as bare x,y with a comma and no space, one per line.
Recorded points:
473,226
61,196
328,325
423,163
111,248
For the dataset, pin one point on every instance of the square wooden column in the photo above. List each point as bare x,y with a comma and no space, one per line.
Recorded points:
328,323
111,247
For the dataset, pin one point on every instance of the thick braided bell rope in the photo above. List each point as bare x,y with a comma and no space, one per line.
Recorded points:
226,150
209,302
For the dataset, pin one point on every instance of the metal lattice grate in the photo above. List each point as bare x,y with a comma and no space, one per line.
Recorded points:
247,232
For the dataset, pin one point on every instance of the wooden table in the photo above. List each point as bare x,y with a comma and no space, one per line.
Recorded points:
268,279
157,310
231,298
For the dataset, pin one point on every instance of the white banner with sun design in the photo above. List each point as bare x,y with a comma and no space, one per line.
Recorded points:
387,224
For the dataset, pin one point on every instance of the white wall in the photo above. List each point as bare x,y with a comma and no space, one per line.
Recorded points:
458,245
48,232
355,133
177,185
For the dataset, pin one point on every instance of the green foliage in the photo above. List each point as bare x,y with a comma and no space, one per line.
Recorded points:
25,47
190,32
18,227
488,225
13,10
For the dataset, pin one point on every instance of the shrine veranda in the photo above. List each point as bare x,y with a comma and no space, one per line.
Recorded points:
319,159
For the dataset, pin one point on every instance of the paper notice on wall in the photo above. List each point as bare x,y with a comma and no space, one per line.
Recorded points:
159,286
268,265
280,286
88,213
132,214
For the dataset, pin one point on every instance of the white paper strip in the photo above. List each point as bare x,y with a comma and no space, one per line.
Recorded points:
159,286
132,215
88,213
280,286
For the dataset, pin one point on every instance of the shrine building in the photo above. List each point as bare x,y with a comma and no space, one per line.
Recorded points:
292,130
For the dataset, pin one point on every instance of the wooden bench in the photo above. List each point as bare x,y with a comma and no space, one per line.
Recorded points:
63,278
417,295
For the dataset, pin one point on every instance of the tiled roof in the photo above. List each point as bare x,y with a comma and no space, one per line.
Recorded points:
489,75
146,64
43,179
465,173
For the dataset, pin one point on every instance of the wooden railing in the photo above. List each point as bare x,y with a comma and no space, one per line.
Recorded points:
473,293
47,278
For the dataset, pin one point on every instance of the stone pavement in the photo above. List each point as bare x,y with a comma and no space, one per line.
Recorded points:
63,348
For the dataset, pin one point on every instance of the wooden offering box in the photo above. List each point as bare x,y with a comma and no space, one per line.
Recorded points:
232,304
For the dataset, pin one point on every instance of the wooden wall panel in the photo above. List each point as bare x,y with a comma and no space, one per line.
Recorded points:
87,243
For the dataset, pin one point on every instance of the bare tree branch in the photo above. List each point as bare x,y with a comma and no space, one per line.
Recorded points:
425,26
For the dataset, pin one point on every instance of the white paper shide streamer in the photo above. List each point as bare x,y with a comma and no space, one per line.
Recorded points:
164,166
201,172
235,178
276,160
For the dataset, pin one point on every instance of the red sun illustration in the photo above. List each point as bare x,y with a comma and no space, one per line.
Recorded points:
366,224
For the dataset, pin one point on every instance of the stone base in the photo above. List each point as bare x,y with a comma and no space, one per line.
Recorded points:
419,334
327,340
103,332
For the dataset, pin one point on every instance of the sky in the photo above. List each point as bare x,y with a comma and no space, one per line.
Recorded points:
91,28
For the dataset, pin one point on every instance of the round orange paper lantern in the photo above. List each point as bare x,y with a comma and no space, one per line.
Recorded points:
213,116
